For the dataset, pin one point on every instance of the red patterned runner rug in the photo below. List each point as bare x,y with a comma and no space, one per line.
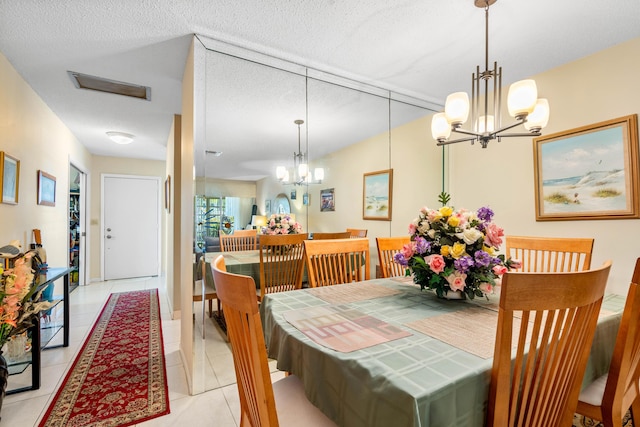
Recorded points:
119,377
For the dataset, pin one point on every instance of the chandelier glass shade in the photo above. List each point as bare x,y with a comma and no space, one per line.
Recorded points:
485,106
300,174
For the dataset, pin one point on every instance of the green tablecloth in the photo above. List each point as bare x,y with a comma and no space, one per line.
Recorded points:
413,381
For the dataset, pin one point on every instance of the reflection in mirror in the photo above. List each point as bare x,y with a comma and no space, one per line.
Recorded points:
249,131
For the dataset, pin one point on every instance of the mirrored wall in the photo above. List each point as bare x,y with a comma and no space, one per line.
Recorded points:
252,103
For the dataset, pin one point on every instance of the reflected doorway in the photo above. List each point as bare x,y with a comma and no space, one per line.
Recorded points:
77,234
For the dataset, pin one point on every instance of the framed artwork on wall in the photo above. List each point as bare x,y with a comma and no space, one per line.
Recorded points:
9,178
377,193
293,194
267,207
589,172
46,189
305,199
327,201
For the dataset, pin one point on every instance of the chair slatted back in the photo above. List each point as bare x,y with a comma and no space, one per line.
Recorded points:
281,263
240,240
337,261
621,389
338,235
357,232
550,254
387,248
238,296
552,331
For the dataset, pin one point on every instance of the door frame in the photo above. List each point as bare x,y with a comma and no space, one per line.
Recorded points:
102,232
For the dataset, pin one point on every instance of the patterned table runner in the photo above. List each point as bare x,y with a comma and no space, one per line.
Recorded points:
351,292
342,328
472,329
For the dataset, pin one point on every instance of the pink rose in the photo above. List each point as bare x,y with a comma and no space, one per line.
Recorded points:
493,235
515,263
486,288
436,263
407,250
499,269
412,228
457,281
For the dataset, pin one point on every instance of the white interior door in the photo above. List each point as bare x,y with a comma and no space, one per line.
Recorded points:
130,226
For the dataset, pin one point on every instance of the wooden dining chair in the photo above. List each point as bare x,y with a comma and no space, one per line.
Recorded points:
609,397
546,324
240,240
262,403
387,248
550,254
336,261
337,235
203,290
281,263
357,232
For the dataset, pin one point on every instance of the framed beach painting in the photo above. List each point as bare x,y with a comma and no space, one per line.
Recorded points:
589,172
377,192
9,178
46,189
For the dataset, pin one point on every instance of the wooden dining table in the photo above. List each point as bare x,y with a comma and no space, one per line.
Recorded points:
382,352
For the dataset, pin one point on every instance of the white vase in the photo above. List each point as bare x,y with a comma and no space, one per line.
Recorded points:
453,295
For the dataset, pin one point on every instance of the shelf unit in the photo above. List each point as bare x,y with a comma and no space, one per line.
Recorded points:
42,334
74,237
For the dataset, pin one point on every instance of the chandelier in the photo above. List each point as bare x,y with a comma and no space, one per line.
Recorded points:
522,102
301,174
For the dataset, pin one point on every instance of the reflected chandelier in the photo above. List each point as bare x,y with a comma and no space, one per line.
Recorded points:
522,101
301,173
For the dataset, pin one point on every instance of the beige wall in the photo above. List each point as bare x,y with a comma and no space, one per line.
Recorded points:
33,134
115,165
597,88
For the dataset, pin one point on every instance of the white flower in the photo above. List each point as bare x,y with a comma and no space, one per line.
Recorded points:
432,233
470,235
424,227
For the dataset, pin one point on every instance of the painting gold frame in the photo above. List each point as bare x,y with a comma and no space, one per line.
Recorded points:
46,189
377,195
590,172
9,179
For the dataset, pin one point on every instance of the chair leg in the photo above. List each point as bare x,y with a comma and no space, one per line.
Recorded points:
635,412
210,308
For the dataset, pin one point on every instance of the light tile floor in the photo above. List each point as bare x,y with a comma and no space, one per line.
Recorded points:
219,406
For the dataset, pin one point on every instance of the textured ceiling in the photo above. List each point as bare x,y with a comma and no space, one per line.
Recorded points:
422,48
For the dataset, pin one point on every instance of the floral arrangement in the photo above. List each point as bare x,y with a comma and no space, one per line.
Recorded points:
455,251
281,224
19,299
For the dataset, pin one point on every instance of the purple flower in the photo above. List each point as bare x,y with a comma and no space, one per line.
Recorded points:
482,258
485,214
422,245
463,264
400,259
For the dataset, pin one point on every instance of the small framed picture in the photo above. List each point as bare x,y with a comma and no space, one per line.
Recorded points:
9,178
267,207
293,194
327,203
377,192
46,189
305,199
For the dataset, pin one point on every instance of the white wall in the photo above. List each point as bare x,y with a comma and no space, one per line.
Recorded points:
594,89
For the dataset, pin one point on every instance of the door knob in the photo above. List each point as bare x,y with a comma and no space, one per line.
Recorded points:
108,236
108,229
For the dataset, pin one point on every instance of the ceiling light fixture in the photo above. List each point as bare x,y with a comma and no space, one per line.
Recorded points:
522,101
301,173
120,137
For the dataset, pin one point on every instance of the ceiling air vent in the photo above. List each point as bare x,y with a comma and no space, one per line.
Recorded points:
85,81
